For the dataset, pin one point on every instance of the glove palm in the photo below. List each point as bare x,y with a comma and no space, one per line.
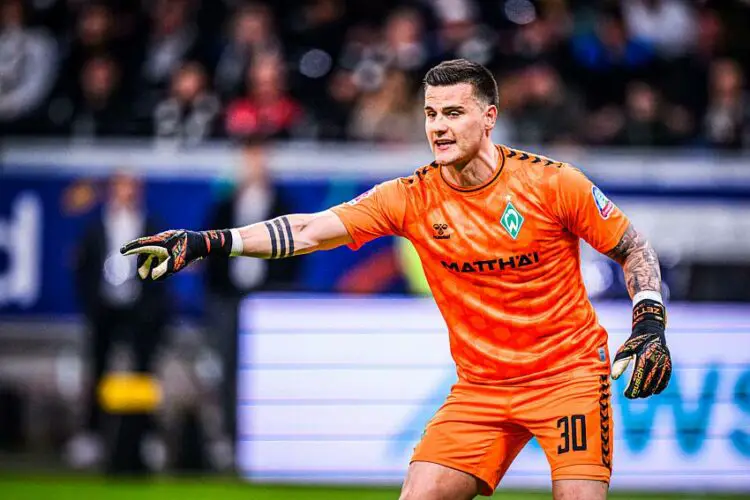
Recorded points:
653,364
164,254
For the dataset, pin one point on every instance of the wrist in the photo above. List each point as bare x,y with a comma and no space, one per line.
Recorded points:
237,246
217,242
647,294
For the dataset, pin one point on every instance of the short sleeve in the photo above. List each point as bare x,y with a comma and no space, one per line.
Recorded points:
586,211
378,212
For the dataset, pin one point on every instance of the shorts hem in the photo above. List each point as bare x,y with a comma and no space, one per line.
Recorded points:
583,472
487,485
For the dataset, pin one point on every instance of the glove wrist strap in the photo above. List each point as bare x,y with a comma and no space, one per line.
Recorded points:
649,317
218,241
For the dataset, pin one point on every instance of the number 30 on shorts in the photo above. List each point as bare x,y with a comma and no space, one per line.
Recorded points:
573,433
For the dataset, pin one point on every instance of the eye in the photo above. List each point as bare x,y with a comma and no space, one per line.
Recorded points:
454,113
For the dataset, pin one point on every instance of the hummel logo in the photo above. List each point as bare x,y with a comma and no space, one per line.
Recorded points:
440,230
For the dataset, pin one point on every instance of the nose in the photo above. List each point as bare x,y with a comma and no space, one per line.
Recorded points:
437,126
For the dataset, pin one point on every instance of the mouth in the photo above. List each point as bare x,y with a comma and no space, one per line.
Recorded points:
443,144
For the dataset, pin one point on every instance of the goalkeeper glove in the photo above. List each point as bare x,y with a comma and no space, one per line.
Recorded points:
164,254
647,346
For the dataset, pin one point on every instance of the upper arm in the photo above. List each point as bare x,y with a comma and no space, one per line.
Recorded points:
381,211
586,212
325,231
630,241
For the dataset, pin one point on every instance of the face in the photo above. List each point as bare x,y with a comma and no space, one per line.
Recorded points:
456,122
125,190
266,78
254,169
98,78
251,27
189,82
94,27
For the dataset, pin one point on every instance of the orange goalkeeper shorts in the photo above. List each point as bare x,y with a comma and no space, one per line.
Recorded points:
480,429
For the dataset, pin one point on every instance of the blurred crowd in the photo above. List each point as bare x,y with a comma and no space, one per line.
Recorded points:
634,72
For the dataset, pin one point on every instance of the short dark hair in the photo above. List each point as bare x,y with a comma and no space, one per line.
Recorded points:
458,71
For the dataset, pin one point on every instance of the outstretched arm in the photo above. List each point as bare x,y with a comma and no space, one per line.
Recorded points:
166,253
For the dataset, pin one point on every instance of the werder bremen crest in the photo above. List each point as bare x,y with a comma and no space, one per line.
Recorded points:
511,220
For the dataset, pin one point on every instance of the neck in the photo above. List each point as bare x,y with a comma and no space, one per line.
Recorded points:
476,171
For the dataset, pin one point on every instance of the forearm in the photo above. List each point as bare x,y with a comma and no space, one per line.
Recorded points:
287,236
647,344
639,262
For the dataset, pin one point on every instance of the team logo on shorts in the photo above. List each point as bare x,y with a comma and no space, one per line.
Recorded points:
511,220
603,203
361,197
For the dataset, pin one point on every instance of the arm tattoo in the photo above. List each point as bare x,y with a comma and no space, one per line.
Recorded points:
282,239
639,262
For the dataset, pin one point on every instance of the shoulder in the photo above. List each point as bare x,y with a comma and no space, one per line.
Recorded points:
534,170
541,174
424,178
525,159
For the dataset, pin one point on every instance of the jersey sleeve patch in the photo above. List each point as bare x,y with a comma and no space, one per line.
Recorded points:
361,197
603,204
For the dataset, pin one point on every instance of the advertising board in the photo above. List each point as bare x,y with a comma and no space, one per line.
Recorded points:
339,390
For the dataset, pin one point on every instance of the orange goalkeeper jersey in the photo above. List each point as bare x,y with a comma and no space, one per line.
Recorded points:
502,260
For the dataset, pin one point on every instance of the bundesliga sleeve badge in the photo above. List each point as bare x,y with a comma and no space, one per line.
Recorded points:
603,204
361,197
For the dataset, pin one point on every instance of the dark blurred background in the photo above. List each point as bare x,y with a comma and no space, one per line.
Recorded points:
661,73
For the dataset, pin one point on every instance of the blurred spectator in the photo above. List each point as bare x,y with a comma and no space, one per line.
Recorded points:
727,119
547,113
28,63
608,59
267,109
400,46
189,114
117,306
536,41
643,126
360,43
94,35
604,126
301,69
669,25
333,115
459,35
172,40
229,280
96,108
322,24
685,80
251,35
389,113
404,43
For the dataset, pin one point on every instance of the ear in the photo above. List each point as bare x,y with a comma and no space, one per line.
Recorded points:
490,117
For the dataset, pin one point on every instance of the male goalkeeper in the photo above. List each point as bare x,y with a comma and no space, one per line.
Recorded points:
497,231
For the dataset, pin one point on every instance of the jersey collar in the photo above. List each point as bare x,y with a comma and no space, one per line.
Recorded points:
488,182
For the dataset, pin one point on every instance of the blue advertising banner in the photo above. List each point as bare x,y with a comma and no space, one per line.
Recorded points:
44,214
43,218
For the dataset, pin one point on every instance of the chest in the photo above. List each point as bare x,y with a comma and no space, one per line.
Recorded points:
500,230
